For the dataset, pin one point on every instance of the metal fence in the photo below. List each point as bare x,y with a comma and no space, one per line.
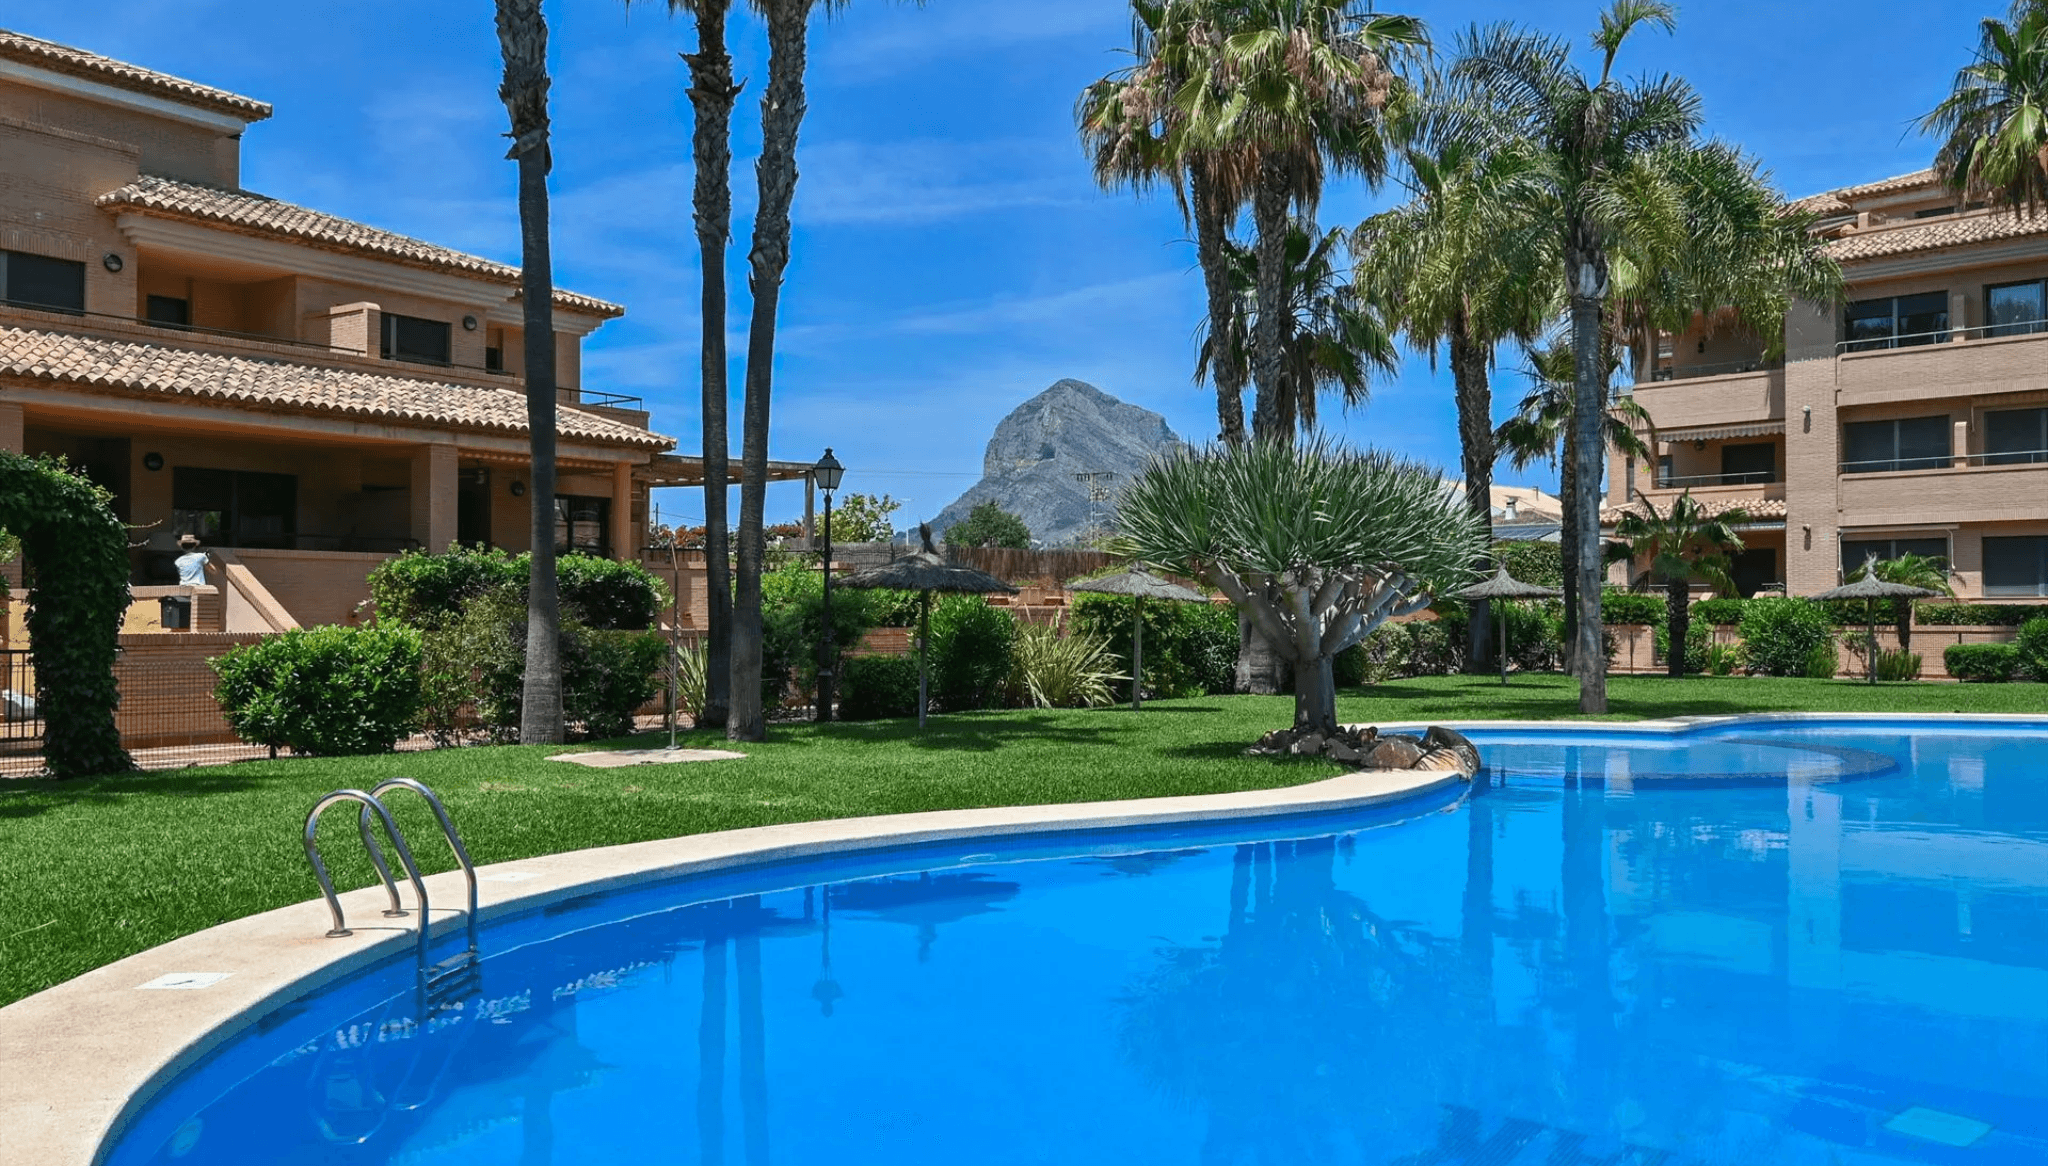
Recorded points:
20,721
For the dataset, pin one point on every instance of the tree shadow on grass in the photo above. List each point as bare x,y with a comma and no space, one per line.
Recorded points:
27,797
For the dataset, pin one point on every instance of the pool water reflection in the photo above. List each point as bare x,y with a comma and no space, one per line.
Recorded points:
1823,945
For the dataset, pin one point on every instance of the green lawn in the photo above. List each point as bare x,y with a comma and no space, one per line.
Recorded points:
91,871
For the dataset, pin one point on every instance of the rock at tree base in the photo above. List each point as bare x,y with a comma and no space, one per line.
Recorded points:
1439,750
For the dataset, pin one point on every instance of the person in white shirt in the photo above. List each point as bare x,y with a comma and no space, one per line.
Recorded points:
193,563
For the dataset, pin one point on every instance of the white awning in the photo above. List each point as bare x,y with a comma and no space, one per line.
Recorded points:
1721,432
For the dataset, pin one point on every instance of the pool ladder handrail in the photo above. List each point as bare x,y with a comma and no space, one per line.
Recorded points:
435,980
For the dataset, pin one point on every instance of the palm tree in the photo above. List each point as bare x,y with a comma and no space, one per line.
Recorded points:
1608,147
1330,337
1684,544
1296,89
1467,262
1542,431
1923,571
1137,137
1994,122
713,94
523,41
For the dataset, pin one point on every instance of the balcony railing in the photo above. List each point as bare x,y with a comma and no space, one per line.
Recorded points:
1754,478
1725,368
2006,457
1942,336
609,400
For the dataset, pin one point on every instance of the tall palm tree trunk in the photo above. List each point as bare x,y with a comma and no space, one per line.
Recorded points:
1586,268
1568,547
1269,214
712,95
1476,447
1677,624
1212,229
523,40
782,115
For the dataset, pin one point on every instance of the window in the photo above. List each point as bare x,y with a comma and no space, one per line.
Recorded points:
414,339
2015,437
2016,566
583,524
1855,551
1895,321
235,508
1663,471
494,360
1909,443
38,281
2016,309
1743,465
1754,570
170,311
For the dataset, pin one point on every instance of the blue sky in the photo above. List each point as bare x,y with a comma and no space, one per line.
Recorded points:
953,257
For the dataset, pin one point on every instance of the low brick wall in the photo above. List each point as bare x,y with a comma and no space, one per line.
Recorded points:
167,689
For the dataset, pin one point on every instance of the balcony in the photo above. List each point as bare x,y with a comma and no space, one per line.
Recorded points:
2002,487
1749,397
1965,361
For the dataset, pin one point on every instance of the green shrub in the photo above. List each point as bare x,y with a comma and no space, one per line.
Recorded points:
1895,664
2032,646
1385,653
1532,562
1993,663
1348,667
1822,661
607,675
1782,636
1698,646
605,594
793,625
689,684
429,591
1631,607
1051,671
476,673
331,691
873,687
1431,650
1720,611
2002,615
971,652
1208,649
1535,635
1722,659
1190,648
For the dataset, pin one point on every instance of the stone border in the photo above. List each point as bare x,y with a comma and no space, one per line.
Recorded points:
90,1053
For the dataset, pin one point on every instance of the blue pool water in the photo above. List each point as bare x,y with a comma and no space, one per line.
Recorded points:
1755,945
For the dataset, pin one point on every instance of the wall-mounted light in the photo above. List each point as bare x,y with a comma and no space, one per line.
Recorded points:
111,261
469,323
519,489
1699,443
152,461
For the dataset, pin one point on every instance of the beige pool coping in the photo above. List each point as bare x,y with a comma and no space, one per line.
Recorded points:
87,1055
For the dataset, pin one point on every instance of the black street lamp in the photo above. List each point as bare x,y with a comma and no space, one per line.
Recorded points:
827,474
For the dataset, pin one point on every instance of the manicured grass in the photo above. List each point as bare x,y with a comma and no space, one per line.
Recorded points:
91,871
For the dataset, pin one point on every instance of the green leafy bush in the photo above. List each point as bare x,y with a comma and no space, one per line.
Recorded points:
793,625
971,652
1722,659
1631,607
607,675
1535,634
1999,615
1698,646
429,591
1720,611
1895,664
605,594
475,672
331,691
2032,645
989,525
1531,562
1431,649
1992,663
1051,671
1190,648
1783,636
874,687
1209,649
1823,661
1348,667
1385,652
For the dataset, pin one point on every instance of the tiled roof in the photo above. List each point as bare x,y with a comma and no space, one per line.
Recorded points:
1890,185
1933,234
256,214
160,370
1827,202
108,71
1756,508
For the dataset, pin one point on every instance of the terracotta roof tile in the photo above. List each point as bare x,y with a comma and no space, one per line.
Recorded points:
1826,202
107,71
1933,234
160,370
257,214
1756,508
1892,185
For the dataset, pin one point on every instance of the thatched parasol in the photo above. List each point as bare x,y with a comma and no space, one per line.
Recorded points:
925,572
1872,587
1140,585
1506,586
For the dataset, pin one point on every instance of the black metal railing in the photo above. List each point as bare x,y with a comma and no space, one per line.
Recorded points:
20,720
1752,478
1943,335
1724,368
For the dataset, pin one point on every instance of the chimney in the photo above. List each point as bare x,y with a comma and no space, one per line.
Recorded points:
1511,504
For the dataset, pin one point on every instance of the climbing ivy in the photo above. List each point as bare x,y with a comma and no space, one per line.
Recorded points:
75,559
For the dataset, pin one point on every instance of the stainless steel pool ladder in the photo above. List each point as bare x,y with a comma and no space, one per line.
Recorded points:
440,982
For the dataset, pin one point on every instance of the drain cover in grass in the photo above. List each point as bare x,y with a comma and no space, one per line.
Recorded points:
621,758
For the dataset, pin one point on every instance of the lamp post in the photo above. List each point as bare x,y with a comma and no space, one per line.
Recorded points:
826,474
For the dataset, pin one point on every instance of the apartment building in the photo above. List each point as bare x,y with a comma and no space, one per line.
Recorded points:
1911,417
307,394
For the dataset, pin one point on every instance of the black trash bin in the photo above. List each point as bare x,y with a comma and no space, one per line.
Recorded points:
176,612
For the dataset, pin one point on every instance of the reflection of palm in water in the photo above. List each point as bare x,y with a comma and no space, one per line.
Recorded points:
924,901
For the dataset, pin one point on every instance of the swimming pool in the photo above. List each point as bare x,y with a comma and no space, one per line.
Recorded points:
1758,943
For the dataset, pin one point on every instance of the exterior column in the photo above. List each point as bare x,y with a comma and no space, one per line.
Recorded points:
12,439
810,511
1812,451
433,492
622,513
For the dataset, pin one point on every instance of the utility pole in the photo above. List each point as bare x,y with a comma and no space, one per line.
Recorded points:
1097,483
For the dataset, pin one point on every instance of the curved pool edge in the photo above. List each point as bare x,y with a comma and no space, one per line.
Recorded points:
98,1049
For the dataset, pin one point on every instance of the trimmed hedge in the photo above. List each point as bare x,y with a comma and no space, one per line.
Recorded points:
2032,646
1993,663
331,691
429,591
1997,615
1786,637
873,687
1631,607
1190,648
1720,611
971,653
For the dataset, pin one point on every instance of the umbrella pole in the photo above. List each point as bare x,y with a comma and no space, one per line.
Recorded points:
1872,647
1137,651
924,641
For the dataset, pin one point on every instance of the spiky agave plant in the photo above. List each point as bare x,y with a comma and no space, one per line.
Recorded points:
1317,544
1051,671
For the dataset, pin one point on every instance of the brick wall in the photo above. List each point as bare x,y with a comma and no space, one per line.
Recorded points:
167,689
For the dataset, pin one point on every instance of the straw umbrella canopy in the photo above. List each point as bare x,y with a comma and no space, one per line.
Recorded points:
924,572
1506,586
1871,587
1140,585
